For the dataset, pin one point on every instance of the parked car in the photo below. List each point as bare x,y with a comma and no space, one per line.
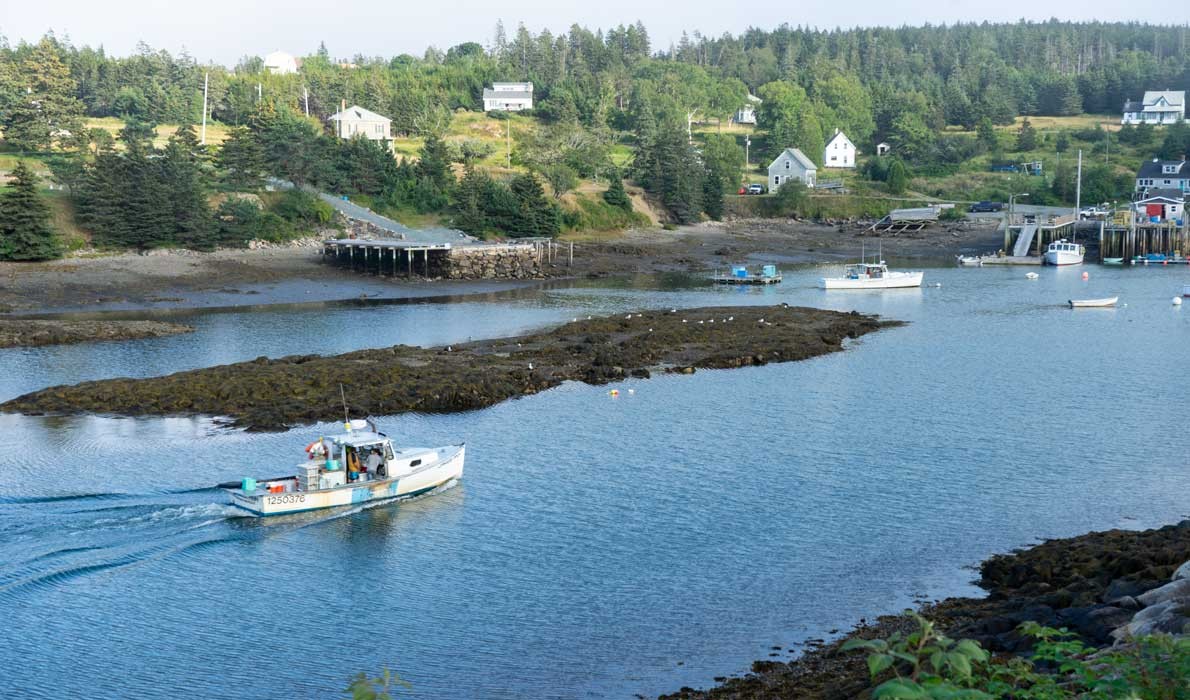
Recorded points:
986,206
755,189
1093,213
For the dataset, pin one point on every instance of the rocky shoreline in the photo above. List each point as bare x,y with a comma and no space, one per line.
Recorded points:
272,394
1106,587
18,333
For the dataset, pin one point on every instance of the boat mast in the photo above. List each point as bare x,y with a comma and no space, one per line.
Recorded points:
1078,193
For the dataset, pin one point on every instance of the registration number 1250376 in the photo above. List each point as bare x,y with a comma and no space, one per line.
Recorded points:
285,499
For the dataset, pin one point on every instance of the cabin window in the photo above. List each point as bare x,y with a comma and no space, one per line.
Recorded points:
415,463
787,165
776,180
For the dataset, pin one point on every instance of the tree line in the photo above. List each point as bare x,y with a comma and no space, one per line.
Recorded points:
858,80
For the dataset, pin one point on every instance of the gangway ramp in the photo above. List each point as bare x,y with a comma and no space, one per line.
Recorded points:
1023,241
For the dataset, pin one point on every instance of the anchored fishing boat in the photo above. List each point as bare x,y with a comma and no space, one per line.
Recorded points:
871,276
358,466
1064,252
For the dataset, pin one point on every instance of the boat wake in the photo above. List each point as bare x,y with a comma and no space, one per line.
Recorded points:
46,542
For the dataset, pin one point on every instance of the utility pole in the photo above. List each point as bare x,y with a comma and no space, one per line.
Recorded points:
306,98
747,145
508,139
206,77
1078,186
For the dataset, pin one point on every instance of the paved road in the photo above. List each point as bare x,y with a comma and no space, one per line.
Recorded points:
355,211
424,235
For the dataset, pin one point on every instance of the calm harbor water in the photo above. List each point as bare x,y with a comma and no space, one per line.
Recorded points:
597,546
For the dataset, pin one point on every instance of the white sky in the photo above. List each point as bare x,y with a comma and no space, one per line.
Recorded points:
225,30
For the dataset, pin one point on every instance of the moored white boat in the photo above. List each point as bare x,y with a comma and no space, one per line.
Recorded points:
871,276
1093,303
358,466
969,260
1064,252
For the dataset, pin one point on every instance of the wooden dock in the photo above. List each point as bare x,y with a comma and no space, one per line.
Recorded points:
749,280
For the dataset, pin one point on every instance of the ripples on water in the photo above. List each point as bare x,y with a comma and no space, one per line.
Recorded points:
596,546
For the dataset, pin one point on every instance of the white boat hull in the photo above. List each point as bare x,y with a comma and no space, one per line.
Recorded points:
891,280
1093,303
448,467
1063,257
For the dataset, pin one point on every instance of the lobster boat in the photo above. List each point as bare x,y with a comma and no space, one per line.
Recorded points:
360,465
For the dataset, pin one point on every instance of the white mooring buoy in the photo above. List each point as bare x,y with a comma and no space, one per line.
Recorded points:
1177,301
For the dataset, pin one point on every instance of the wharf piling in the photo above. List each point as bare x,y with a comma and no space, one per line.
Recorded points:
410,259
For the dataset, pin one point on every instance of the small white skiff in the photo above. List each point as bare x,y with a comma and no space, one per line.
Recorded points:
1093,303
871,276
358,466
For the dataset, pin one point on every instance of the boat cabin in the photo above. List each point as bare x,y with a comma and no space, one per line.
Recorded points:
866,271
1064,246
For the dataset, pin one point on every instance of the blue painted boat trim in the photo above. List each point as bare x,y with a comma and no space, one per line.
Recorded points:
345,505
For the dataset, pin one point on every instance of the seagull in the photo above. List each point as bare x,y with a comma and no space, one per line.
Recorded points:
628,316
731,318
449,348
711,321
673,311
683,320
761,321
530,366
588,318
574,320
700,323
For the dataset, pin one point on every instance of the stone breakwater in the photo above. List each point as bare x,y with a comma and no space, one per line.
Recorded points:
493,262
1107,587
17,333
271,394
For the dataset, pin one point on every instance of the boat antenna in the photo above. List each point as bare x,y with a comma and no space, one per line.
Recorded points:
343,396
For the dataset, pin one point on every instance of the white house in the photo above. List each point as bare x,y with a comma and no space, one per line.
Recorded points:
882,148
839,152
1162,205
357,121
747,113
792,164
508,97
281,63
1157,107
1163,174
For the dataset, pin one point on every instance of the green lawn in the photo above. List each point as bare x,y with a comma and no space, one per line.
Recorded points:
216,133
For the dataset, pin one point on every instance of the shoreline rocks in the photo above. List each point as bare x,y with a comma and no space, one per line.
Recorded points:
1095,585
22,333
271,394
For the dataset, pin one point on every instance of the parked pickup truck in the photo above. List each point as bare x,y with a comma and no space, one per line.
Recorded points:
1093,213
755,189
986,206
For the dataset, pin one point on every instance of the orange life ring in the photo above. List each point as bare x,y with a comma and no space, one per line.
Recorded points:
311,446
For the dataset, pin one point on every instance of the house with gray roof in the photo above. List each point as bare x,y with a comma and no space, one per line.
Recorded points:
1163,174
792,164
508,97
356,121
1157,107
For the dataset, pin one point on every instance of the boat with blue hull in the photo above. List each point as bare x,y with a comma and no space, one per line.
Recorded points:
355,467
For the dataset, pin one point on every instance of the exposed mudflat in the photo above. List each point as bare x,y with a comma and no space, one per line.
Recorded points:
271,394
15,333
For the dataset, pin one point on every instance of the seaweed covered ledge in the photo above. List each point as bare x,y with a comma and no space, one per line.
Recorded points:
272,394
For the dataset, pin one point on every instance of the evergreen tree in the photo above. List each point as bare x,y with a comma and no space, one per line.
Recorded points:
44,108
1062,142
25,232
242,159
469,199
898,177
185,193
615,194
986,134
1026,137
712,195
681,185
536,215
